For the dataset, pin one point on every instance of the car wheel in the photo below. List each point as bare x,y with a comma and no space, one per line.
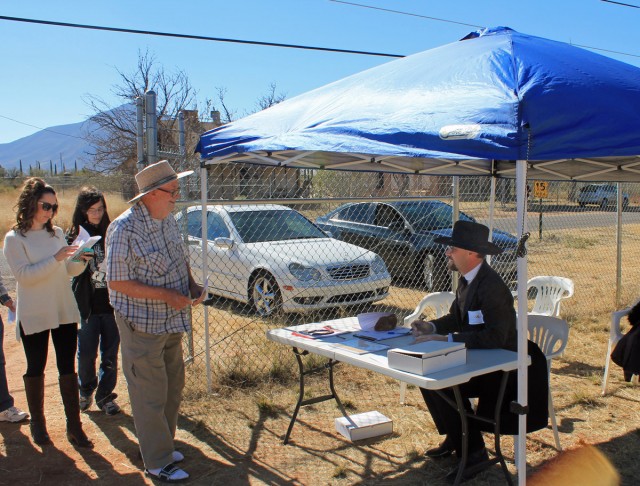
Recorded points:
264,294
604,203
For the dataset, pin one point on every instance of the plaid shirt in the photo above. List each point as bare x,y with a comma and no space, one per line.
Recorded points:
153,253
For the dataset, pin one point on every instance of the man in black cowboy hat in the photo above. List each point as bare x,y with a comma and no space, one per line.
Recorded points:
482,316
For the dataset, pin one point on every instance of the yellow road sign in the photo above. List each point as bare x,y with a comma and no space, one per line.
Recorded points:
540,189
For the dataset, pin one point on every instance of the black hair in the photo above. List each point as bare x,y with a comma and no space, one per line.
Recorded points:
87,197
634,315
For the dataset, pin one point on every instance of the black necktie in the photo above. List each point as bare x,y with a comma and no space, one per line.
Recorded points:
461,294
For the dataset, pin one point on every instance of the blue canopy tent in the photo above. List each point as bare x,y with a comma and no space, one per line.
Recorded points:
496,103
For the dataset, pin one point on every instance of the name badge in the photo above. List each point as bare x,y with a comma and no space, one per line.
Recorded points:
475,317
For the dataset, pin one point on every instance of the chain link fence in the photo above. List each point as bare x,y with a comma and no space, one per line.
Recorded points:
271,263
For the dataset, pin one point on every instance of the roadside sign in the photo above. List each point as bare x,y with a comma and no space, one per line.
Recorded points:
540,189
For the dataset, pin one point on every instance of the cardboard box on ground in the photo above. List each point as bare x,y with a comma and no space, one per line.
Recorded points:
364,425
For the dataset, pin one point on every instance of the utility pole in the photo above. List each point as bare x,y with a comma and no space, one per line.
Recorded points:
152,126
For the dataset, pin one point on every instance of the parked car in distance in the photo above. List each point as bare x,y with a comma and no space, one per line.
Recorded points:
272,257
602,195
403,234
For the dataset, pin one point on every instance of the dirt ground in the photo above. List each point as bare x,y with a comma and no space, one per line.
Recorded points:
237,439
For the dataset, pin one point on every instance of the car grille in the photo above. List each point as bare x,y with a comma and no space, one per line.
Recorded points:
348,272
340,299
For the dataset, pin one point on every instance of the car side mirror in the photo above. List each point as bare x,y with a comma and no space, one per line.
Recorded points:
224,243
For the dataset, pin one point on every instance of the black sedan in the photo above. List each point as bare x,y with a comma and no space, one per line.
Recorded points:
402,233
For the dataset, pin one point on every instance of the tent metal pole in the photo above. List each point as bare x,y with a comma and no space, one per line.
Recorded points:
492,206
204,179
521,199
619,206
455,215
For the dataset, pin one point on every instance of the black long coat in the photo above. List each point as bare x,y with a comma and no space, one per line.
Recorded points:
489,294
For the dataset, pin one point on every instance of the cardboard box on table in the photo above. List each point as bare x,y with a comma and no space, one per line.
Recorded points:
427,357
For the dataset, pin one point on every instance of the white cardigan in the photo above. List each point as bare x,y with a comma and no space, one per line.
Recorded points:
44,296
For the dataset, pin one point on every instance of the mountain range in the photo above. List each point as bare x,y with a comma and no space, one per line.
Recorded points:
63,145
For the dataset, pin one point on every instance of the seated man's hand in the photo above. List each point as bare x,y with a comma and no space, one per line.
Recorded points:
421,328
430,337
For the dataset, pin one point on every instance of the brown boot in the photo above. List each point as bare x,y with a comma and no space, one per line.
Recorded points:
71,401
34,388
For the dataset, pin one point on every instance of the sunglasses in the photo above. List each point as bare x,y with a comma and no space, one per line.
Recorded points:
48,206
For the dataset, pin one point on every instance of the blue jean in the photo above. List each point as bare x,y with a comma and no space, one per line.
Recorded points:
101,331
6,400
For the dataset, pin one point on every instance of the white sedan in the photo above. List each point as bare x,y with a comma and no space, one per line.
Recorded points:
272,257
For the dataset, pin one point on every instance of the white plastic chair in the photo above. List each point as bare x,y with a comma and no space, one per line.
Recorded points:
615,334
441,303
549,292
551,335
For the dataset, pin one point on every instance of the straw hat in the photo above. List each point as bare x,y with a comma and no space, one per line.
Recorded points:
156,175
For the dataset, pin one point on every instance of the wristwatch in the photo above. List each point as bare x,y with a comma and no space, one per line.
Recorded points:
4,299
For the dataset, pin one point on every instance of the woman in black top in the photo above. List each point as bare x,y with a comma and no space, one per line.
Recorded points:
98,326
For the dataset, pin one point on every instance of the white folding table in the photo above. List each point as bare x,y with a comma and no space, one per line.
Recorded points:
479,362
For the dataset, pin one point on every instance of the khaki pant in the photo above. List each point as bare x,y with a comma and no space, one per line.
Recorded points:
154,369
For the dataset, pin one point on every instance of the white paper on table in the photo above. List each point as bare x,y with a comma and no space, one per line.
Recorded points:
382,335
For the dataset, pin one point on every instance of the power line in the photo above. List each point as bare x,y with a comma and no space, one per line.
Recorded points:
193,37
481,26
40,128
407,13
621,3
605,50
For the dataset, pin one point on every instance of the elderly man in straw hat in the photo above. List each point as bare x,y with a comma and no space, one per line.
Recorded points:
151,289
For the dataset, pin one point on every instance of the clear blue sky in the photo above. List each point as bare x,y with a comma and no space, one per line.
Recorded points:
47,70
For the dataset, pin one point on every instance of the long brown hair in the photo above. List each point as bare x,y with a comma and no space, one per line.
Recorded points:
87,197
27,205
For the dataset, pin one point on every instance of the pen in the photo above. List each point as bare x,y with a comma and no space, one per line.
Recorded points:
297,334
366,338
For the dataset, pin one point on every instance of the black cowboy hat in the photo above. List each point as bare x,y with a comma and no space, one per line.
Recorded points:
470,236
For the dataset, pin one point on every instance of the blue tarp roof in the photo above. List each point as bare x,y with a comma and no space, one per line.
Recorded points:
495,95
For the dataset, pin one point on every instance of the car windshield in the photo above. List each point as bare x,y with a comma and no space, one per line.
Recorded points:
273,225
429,215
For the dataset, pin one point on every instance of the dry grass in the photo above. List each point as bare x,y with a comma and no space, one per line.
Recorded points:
66,200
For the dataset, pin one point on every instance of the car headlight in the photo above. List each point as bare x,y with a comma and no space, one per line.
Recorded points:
378,265
304,273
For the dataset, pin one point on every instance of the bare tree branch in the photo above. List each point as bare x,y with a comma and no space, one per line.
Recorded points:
114,141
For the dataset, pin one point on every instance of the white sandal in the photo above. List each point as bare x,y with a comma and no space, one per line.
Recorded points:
168,474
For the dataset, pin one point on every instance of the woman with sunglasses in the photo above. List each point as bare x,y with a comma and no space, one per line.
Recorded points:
38,256
98,329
